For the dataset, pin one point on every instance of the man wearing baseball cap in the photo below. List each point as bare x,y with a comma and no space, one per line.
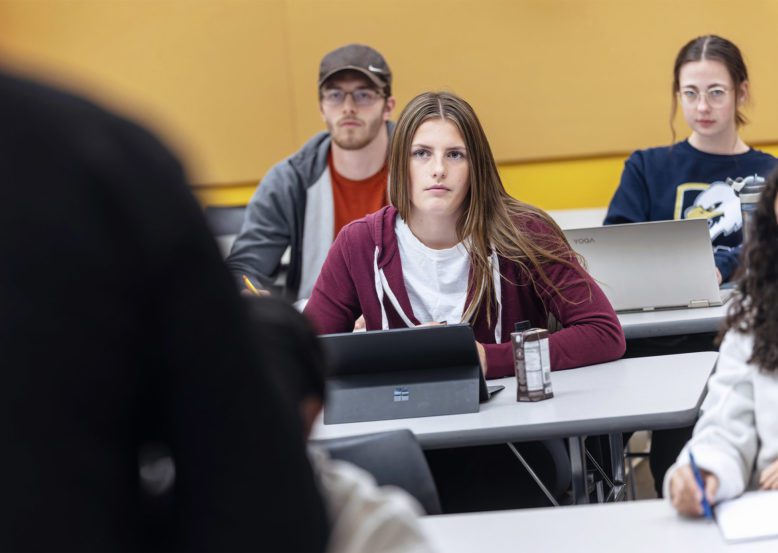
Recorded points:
338,176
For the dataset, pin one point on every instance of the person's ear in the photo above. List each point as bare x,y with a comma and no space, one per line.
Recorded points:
389,107
743,93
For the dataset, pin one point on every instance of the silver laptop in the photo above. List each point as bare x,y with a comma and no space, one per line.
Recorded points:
648,266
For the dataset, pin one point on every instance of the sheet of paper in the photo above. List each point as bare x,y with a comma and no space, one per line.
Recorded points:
752,516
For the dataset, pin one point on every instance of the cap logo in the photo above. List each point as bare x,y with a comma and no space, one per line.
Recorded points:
374,69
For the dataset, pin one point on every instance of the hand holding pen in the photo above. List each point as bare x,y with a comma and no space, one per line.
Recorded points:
705,502
692,495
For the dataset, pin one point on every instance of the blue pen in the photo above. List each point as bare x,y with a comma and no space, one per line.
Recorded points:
706,510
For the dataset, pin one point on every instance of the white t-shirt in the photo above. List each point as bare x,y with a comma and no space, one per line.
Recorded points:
436,280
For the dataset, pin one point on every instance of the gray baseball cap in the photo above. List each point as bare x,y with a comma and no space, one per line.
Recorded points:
356,57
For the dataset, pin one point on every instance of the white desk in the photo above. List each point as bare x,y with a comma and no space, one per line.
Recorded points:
672,322
624,395
611,398
578,218
638,526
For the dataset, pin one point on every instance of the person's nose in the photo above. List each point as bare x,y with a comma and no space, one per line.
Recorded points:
702,103
349,106
438,167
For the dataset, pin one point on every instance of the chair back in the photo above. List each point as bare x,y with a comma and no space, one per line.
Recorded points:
224,221
393,458
225,224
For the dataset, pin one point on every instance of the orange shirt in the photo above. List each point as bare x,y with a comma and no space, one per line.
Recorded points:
353,199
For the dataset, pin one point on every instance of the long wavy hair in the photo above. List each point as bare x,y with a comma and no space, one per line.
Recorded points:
755,309
715,48
490,216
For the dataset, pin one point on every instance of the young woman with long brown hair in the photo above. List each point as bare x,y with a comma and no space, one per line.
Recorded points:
735,442
454,246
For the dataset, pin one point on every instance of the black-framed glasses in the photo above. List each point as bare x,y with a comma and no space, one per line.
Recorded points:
362,97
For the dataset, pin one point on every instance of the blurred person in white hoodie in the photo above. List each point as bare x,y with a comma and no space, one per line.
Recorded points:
735,441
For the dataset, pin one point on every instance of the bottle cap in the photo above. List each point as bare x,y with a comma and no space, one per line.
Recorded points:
521,326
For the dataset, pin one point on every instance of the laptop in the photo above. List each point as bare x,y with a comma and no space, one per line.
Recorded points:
403,373
651,266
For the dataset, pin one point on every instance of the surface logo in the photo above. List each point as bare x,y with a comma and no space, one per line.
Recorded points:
402,394
583,240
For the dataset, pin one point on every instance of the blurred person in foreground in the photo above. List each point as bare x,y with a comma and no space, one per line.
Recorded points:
120,327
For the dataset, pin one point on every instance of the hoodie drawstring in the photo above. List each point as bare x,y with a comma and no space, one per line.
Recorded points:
382,287
497,284
379,290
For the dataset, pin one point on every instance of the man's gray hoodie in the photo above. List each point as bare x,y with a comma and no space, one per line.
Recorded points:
293,208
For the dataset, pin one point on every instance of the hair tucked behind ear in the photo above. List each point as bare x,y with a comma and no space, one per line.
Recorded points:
755,309
490,217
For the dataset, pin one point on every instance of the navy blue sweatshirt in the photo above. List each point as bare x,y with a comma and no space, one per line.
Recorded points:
681,182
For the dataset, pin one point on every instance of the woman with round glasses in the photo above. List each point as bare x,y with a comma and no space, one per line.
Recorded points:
691,178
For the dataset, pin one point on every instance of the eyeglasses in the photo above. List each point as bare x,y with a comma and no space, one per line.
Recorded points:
362,97
714,97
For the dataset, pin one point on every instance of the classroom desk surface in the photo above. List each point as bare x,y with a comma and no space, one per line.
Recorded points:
637,526
672,322
620,396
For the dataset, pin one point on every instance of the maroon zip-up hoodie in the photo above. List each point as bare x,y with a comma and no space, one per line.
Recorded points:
347,288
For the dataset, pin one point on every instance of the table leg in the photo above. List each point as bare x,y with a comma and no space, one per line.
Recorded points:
534,476
578,464
617,463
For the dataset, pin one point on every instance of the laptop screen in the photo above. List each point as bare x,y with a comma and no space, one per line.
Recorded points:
402,373
654,265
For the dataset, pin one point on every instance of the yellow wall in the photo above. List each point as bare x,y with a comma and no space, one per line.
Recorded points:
210,75
553,184
572,183
231,83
